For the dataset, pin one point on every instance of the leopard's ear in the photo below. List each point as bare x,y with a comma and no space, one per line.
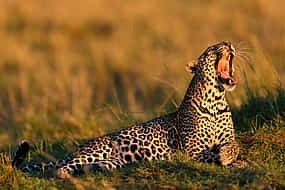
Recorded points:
191,66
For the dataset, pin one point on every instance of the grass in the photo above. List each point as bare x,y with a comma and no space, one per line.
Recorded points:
71,72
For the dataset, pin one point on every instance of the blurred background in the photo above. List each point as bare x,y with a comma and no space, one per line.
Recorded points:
78,69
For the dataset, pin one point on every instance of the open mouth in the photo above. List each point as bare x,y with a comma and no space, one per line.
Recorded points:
225,69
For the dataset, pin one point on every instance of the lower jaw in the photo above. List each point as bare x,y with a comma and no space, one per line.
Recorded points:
229,87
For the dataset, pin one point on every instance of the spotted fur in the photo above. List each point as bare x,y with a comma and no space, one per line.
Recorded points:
202,126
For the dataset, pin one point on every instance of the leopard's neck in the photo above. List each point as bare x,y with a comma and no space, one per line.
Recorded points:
203,94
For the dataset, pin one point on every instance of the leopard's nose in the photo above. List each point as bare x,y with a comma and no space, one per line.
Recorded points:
227,43
230,46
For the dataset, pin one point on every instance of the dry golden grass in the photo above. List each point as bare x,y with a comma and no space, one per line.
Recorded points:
72,60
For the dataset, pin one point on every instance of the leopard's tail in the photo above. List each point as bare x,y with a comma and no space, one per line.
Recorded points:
21,153
20,156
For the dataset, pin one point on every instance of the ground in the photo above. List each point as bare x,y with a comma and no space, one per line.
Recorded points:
69,73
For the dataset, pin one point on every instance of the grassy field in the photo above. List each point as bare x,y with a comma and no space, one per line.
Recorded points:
71,71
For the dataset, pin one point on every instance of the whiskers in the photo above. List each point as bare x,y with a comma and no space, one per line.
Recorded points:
242,56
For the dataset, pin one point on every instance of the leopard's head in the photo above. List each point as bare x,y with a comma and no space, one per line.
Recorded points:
215,66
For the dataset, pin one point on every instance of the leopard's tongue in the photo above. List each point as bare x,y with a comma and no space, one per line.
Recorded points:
226,76
224,69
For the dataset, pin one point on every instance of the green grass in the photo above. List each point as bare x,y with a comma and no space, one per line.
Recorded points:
71,72
260,133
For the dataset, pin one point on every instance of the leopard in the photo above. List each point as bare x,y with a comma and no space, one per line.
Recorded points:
201,127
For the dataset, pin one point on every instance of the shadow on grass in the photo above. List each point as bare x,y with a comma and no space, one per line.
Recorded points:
167,175
259,110
185,175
